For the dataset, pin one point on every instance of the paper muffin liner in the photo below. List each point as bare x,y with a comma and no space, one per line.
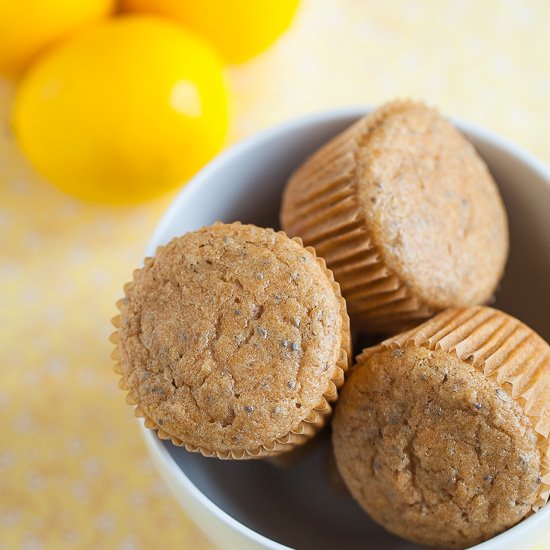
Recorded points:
298,435
506,351
321,205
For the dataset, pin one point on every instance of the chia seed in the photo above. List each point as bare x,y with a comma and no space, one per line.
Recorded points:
262,332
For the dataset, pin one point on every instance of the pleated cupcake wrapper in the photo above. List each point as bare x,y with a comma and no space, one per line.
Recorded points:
304,431
297,454
321,205
504,349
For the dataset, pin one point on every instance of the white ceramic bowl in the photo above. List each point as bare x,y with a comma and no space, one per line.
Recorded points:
253,505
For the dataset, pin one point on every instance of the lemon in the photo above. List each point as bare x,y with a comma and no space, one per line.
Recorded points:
240,29
29,26
127,110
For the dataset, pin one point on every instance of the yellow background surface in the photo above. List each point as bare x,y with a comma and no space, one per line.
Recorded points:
73,468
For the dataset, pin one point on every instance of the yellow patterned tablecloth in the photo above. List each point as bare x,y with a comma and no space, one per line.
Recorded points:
73,468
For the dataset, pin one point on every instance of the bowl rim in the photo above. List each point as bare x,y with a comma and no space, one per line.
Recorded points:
154,445
323,117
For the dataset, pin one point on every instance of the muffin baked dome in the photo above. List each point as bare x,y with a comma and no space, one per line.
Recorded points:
441,433
232,340
405,213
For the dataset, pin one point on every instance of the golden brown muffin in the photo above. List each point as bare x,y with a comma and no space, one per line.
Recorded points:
441,433
406,215
232,340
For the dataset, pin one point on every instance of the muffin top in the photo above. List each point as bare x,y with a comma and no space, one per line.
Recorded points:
431,438
230,337
431,451
431,207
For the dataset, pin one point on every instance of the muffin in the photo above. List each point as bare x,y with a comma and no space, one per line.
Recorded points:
441,433
232,341
406,215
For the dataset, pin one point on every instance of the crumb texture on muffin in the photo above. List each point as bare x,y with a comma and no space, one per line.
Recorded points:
405,213
230,339
432,207
442,432
433,449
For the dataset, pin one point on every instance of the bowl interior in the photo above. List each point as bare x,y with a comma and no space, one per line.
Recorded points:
297,506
